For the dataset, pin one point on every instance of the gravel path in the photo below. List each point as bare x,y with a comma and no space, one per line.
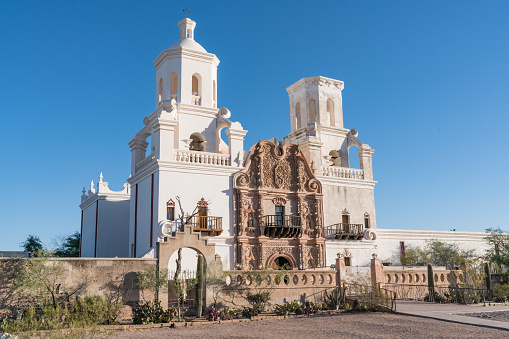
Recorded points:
347,325
499,316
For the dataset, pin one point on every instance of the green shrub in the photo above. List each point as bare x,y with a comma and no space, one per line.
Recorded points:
249,312
91,311
153,314
501,291
258,300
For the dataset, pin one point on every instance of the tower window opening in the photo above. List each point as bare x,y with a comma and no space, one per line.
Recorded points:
312,110
298,122
197,143
214,93
160,90
330,112
174,83
189,33
196,89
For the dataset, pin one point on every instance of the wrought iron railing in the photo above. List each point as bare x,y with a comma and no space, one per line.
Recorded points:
345,231
373,296
282,226
453,293
207,224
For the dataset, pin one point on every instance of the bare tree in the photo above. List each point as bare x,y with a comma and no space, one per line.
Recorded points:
178,287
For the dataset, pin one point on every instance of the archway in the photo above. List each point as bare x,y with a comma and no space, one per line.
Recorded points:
281,260
184,284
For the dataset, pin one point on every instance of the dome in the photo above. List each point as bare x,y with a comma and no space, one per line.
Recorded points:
189,44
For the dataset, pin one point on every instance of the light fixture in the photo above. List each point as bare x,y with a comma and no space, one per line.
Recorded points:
374,255
333,266
339,255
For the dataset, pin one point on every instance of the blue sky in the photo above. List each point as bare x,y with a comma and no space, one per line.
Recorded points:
425,86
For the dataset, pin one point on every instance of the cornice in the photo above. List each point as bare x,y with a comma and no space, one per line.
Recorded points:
331,181
320,80
384,233
334,131
176,166
110,196
185,53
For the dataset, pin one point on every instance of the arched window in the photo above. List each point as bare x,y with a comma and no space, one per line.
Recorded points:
353,157
189,33
174,83
196,89
330,112
197,142
298,123
312,110
366,220
160,90
214,93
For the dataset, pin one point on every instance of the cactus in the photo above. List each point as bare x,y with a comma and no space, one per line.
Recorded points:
199,286
488,280
431,284
334,298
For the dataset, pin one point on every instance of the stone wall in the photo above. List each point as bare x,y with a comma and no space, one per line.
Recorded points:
107,277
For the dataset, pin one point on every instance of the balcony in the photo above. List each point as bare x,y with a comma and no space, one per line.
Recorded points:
282,226
345,231
212,225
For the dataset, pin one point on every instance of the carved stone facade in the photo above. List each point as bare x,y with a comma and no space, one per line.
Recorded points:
277,177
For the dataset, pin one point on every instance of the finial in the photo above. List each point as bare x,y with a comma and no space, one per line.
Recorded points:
186,11
92,190
101,177
84,191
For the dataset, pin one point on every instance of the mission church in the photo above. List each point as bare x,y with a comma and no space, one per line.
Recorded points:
297,201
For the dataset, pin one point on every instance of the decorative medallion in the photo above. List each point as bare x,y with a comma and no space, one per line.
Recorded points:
203,202
279,201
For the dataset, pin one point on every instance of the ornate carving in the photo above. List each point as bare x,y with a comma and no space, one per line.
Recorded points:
366,215
279,201
282,174
170,203
203,202
345,212
369,234
347,253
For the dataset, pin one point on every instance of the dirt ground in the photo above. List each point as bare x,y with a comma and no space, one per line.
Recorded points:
350,325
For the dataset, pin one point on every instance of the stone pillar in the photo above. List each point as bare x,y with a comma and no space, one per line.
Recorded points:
236,144
377,275
312,150
163,256
365,158
163,136
138,148
340,271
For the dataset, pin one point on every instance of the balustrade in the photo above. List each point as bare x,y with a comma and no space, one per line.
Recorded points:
142,163
212,225
205,158
343,172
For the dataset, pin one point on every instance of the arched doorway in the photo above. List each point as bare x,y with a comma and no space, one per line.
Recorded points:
182,282
282,261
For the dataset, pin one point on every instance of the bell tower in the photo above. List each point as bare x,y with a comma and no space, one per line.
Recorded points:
186,72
